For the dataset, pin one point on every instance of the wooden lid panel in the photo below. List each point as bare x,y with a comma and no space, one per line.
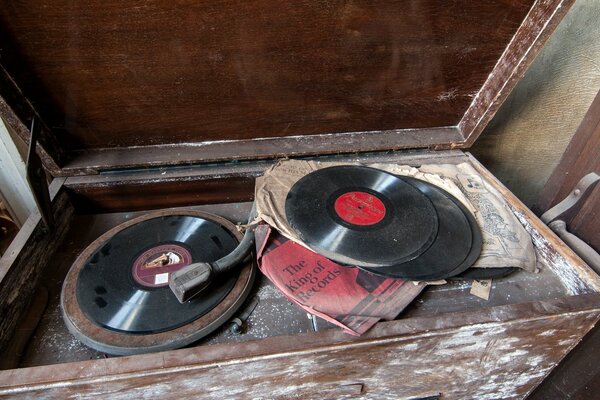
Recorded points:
154,72
111,74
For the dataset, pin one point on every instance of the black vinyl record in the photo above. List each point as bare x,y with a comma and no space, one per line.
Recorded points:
485,273
116,296
361,216
456,247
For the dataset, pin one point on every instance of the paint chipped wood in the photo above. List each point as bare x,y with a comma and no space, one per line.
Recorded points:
22,264
500,353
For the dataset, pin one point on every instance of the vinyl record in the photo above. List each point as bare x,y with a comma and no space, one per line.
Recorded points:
116,297
456,247
361,216
485,273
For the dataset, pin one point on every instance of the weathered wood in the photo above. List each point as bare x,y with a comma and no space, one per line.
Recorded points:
26,327
569,268
558,314
274,315
95,161
541,21
18,113
527,137
577,376
53,343
500,352
204,184
26,257
149,84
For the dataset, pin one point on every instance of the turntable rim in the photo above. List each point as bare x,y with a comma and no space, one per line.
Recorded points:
118,343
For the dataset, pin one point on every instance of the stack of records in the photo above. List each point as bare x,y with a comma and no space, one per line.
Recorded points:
394,226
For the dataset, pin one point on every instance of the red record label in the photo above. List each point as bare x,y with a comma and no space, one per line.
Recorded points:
153,267
359,208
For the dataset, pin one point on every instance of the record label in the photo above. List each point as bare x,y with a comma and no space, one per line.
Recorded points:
153,266
359,208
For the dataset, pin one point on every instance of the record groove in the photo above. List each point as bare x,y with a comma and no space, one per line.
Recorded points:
457,245
361,216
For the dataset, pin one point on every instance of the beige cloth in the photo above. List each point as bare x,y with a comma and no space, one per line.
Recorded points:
505,241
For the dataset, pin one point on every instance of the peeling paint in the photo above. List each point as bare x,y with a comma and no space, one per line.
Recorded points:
554,260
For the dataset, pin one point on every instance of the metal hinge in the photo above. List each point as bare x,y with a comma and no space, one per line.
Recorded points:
36,177
554,219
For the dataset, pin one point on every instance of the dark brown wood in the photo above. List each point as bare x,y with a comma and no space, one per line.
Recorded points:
152,84
144,72
95,161
24,330
150,195
581,157
54,344
25,258
578,375
202,184
18,113
198,82
510,346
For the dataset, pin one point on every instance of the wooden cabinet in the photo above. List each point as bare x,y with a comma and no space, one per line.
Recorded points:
151,105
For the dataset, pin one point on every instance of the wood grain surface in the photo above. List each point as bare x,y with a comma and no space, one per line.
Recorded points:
17,114
149,72
577,377
149,83
122,85
52,343
146,189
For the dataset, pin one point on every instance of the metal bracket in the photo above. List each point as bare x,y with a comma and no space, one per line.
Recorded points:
36,178
582,191
553,218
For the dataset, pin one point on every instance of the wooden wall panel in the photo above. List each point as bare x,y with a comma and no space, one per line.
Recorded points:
114,73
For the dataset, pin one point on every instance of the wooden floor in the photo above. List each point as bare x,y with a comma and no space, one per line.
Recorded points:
577,377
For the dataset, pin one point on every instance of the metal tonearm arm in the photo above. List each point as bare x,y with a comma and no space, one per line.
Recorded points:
194,278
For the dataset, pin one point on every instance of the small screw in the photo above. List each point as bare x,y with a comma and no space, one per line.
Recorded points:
236,326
